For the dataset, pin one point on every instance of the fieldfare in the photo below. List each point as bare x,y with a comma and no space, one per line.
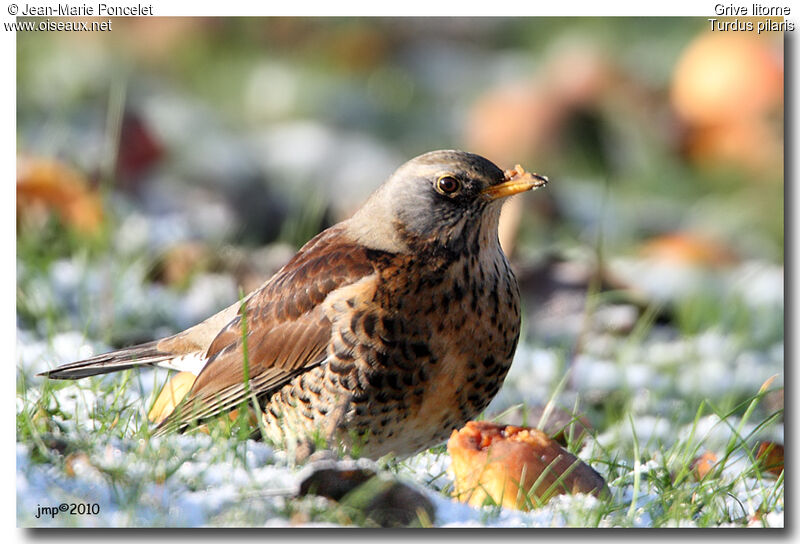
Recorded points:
383,333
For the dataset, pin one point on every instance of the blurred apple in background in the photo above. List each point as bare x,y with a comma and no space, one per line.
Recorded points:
727,88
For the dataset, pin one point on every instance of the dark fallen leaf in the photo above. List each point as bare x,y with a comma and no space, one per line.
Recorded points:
367,498
334,483
770,456
387,502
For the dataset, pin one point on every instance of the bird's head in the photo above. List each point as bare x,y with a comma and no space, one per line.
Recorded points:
446,199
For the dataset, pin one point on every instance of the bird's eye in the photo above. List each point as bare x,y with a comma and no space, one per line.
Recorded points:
447,184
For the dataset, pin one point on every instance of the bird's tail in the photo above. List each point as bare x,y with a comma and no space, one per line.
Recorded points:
140,355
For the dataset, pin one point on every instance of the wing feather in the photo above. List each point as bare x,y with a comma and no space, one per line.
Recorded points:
285,325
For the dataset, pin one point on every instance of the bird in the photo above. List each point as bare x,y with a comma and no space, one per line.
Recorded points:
384,332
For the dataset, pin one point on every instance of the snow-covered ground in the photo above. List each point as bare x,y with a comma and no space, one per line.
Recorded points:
190,480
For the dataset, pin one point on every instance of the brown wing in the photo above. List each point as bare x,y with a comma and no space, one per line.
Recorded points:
286,327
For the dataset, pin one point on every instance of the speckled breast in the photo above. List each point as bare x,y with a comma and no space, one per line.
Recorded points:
417,350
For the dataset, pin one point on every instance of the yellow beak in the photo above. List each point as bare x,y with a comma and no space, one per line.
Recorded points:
516,181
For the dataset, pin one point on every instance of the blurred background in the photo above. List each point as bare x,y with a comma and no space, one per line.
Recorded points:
170,164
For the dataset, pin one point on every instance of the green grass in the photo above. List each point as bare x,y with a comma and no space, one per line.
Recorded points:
654,480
